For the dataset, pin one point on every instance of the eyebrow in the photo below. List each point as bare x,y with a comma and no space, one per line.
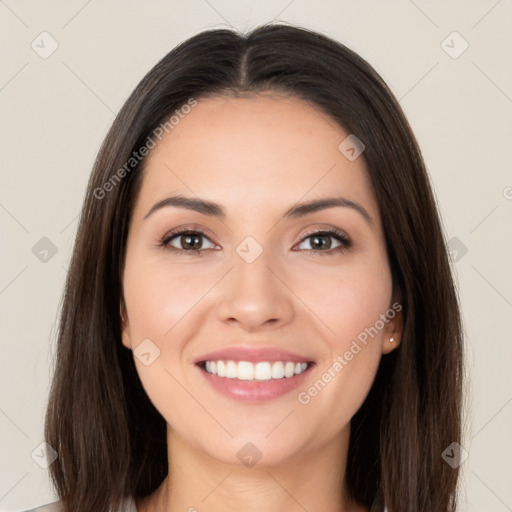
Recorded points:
298,210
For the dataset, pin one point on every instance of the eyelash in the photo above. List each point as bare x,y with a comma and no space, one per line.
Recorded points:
345,242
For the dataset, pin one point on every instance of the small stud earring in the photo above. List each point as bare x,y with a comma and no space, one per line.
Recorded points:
391,340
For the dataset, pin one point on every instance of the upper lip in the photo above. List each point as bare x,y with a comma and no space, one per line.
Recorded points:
252,355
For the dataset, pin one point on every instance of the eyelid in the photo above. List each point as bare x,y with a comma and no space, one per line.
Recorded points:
185,228
324,229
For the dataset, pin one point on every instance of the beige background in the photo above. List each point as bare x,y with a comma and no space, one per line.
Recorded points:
56,110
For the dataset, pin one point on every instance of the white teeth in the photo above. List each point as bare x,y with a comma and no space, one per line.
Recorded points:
278,370
289,369
231,370
244,370
262,371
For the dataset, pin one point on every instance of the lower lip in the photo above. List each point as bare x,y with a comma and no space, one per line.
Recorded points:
255,391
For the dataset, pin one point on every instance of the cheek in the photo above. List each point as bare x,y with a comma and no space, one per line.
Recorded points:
163,301
349,301
158,296
350,304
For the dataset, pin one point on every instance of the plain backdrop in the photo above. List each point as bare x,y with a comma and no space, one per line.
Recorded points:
456,89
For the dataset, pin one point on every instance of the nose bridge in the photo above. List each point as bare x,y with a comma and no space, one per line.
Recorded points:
251,263
253,295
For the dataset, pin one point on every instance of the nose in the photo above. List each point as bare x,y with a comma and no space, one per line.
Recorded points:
255,296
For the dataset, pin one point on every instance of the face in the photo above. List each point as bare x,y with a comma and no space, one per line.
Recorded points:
249,283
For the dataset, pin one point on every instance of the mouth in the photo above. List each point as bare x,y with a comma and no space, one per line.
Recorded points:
254,375
254,372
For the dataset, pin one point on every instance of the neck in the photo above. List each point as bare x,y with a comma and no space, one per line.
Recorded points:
312,480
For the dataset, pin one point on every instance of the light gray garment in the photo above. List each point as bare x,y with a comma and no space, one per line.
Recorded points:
56,506
129,506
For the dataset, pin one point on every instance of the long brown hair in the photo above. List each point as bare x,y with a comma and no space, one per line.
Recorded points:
110,439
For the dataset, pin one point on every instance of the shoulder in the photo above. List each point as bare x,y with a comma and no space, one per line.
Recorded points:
56,506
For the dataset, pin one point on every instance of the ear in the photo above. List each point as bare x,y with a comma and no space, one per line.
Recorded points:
394,328
125,327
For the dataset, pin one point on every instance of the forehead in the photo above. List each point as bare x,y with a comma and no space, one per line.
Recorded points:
272,149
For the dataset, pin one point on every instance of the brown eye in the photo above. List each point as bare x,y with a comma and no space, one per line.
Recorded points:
191,241
321,241
186,241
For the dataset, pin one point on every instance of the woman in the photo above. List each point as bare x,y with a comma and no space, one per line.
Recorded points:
259,313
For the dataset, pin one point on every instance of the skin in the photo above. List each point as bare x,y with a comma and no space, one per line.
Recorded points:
256,156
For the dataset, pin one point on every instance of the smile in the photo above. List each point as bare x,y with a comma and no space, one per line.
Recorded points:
261,371
257,382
